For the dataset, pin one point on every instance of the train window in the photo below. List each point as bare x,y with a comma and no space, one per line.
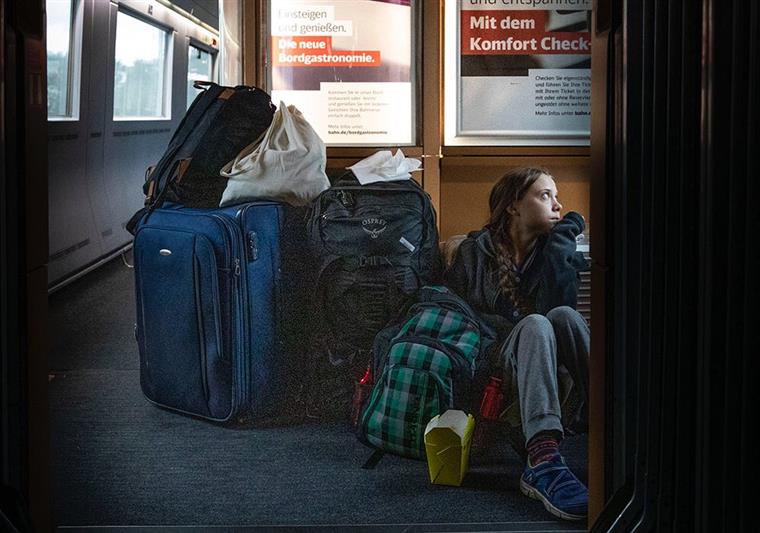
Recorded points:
63,58
200,66
141,80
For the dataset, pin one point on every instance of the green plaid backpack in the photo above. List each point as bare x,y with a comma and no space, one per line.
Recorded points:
423,367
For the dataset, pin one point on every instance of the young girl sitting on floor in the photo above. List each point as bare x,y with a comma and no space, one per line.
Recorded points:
520,273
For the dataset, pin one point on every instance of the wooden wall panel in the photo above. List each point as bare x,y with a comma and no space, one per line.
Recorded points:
466,183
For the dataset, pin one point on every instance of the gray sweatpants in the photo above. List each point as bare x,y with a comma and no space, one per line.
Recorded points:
530,356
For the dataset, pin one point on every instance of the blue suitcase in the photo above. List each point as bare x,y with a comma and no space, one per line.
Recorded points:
221,307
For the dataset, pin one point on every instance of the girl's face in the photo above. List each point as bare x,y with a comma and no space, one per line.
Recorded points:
539,209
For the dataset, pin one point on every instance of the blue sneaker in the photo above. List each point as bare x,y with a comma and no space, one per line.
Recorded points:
556,486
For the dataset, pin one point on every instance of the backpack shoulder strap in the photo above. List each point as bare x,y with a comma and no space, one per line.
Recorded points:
159,177
373,459
191,119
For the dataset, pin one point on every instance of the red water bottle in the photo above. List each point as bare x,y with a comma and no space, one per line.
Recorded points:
490,409
361,391
493,400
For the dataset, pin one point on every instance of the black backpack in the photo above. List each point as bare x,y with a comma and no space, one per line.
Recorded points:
374,245
220,122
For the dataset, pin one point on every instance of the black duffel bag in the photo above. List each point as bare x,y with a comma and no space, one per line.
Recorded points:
220,122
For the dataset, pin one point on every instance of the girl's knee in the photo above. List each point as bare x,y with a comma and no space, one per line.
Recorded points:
563,313
537,323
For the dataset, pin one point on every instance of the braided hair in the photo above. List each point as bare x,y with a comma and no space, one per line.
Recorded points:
511,188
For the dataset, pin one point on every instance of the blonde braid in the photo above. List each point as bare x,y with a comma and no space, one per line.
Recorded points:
507,278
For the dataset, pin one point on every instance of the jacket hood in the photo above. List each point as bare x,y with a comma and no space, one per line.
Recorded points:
484,240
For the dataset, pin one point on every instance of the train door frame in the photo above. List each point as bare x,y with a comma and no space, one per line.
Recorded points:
23,255
23,247
600,282
431,146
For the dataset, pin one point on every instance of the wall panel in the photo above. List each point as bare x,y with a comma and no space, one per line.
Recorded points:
466,183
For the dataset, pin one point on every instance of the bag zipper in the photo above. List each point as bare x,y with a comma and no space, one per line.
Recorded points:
241,396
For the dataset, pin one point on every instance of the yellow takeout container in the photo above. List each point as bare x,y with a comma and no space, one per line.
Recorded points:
447,444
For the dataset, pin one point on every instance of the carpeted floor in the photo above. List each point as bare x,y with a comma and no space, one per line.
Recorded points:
118,460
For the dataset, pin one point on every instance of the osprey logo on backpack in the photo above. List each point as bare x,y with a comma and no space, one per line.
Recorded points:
374,226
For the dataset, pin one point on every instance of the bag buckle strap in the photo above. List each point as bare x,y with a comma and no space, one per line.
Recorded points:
151,185
151,192
346,198
372,260
182,167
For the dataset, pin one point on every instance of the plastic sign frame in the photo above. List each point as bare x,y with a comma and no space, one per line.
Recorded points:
522,79
348,66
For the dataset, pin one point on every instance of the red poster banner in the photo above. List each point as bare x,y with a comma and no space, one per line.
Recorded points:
317,51
517,33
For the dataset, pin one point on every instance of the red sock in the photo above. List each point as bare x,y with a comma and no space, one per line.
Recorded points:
542,448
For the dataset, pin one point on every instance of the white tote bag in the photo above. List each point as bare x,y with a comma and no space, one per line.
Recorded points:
288,164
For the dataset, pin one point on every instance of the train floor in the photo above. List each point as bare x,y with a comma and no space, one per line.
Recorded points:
117,460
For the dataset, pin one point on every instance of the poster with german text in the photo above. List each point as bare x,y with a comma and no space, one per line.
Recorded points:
525,70
346,65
